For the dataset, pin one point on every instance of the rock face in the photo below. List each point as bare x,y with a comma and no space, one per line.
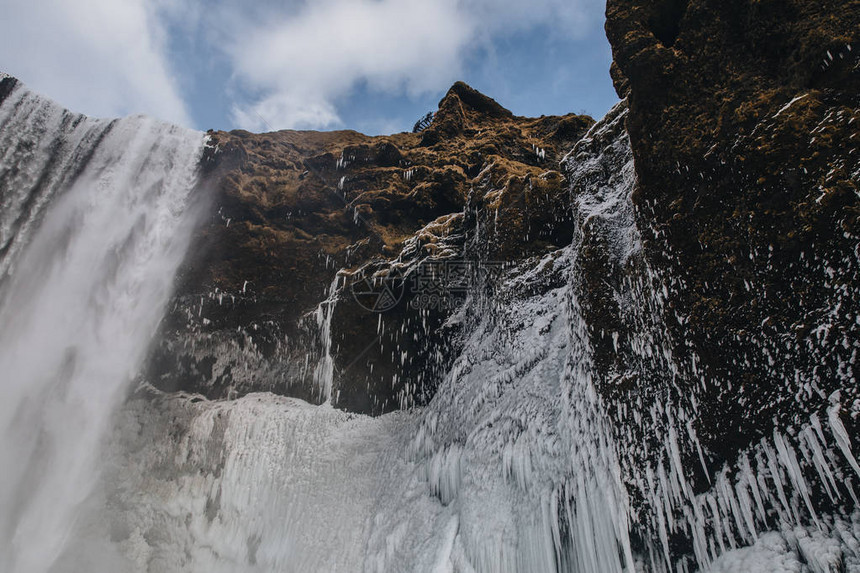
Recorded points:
743,124
743,128
302,217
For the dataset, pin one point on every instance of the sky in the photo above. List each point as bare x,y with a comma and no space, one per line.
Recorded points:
375,66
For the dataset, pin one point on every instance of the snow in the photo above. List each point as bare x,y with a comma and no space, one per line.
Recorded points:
262,483
770,554
800,550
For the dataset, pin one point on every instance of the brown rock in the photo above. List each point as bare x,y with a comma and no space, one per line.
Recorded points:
295,207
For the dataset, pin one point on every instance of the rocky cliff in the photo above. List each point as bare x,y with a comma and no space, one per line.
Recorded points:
743,124
306,222
743,128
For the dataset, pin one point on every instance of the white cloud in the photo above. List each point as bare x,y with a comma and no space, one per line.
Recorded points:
292,61
286,108
302,60
100,57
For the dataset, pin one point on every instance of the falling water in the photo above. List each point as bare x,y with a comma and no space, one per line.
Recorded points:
95,220
324,371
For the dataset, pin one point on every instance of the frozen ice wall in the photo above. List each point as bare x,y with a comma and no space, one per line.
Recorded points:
510,469
94,221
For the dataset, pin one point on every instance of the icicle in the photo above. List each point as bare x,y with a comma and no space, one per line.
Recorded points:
839,431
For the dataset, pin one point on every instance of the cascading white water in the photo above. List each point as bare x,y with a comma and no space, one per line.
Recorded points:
324,371
95,220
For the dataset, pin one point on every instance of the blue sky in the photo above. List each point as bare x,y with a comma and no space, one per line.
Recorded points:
370,65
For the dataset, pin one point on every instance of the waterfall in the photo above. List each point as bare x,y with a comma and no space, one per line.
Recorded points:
95,217
324,371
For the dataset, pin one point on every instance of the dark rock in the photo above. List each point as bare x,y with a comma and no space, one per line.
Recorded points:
743,123
7,84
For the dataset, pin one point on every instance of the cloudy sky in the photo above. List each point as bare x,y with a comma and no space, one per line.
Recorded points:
370,65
